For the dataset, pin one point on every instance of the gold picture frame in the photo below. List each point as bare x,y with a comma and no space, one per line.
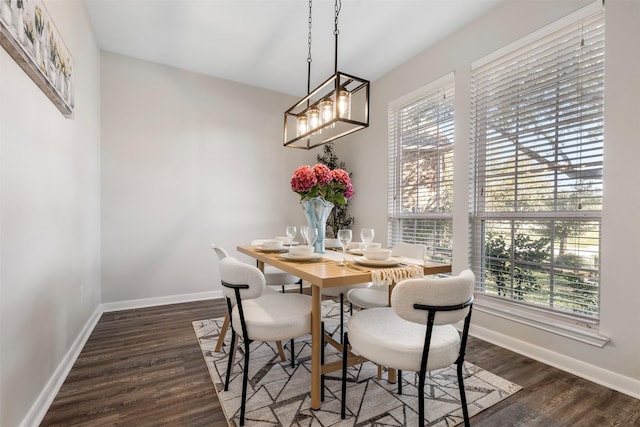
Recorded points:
29,35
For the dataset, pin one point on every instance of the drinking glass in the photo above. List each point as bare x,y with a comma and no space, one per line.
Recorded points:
312,235
291,231
366,235
303,232
344,236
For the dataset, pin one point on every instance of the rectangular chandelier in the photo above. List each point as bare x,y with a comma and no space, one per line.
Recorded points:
336,108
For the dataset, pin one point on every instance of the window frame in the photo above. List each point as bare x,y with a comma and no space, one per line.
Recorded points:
438,219
581,328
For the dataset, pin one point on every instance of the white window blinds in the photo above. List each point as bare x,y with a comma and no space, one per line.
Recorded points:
420,193
538,142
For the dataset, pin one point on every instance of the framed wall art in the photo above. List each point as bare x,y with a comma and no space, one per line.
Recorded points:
29,35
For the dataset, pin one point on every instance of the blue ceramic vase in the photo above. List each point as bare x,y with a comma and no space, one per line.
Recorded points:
317,211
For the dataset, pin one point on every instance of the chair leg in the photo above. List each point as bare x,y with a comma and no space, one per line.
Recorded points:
400,382
391,375
463,397
421,380
292,354
245,380
223,333
281,351
233,350
345,344
230,362
341,316
300,283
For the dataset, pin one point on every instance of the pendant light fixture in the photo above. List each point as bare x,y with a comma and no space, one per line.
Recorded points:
336,108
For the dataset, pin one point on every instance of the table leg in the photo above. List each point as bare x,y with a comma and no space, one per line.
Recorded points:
316,343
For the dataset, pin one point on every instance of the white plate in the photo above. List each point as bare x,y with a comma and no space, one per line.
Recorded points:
391,262
263,249
332,244
301,258
355,251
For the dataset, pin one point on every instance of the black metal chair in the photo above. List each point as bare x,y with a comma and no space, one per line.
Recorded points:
416,333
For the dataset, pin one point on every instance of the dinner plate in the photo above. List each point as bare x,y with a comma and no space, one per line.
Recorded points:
332,244
286,243
355,251
301,258
263,249
391,262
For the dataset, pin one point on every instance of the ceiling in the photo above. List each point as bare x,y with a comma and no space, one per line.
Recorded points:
263,43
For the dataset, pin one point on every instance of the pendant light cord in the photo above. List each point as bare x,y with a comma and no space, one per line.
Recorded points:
309,55
338,6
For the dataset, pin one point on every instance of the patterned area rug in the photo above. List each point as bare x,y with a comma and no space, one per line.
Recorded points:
278,395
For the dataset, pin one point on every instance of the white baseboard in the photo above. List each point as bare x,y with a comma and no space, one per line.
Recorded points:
40,407
612,380
152,302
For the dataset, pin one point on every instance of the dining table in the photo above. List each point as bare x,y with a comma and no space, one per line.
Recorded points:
324,271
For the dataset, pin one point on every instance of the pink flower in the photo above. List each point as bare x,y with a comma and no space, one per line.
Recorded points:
303,179
348,193
320,181
341,177
323,174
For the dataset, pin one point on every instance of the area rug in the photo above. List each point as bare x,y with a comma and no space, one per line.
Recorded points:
278,395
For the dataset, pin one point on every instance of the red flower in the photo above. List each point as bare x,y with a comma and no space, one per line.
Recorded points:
320,181
323,174
303,179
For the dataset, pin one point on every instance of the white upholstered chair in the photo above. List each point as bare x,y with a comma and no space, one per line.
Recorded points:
417,332
222,253
276,277
257,316
378,296
339,293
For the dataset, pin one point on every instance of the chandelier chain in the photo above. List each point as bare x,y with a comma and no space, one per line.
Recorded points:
309,36
338,6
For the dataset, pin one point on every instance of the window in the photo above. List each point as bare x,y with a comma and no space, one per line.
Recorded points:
421,169
537,167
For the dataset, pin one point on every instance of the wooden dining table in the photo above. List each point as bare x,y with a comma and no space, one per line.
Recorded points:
325,272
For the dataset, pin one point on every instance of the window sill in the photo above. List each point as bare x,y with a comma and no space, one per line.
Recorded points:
583,330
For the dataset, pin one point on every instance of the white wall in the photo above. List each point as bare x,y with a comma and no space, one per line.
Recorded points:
617,363
186,160
49,217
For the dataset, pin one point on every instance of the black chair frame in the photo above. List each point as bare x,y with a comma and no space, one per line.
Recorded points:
246,341
425,357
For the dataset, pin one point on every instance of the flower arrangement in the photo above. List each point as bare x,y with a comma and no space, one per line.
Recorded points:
320,181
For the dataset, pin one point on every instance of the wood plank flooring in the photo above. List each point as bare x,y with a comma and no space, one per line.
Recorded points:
143,367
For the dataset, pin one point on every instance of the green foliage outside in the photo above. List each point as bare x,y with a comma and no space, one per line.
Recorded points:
524,270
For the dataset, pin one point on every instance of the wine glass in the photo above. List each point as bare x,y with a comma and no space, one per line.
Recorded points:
366,235
303,232
344,236
291,231
312,235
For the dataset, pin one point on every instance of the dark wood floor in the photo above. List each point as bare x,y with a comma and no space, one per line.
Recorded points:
143,367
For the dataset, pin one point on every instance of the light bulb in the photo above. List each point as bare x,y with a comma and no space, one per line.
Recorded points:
302,125
344,104
326,110
313,118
